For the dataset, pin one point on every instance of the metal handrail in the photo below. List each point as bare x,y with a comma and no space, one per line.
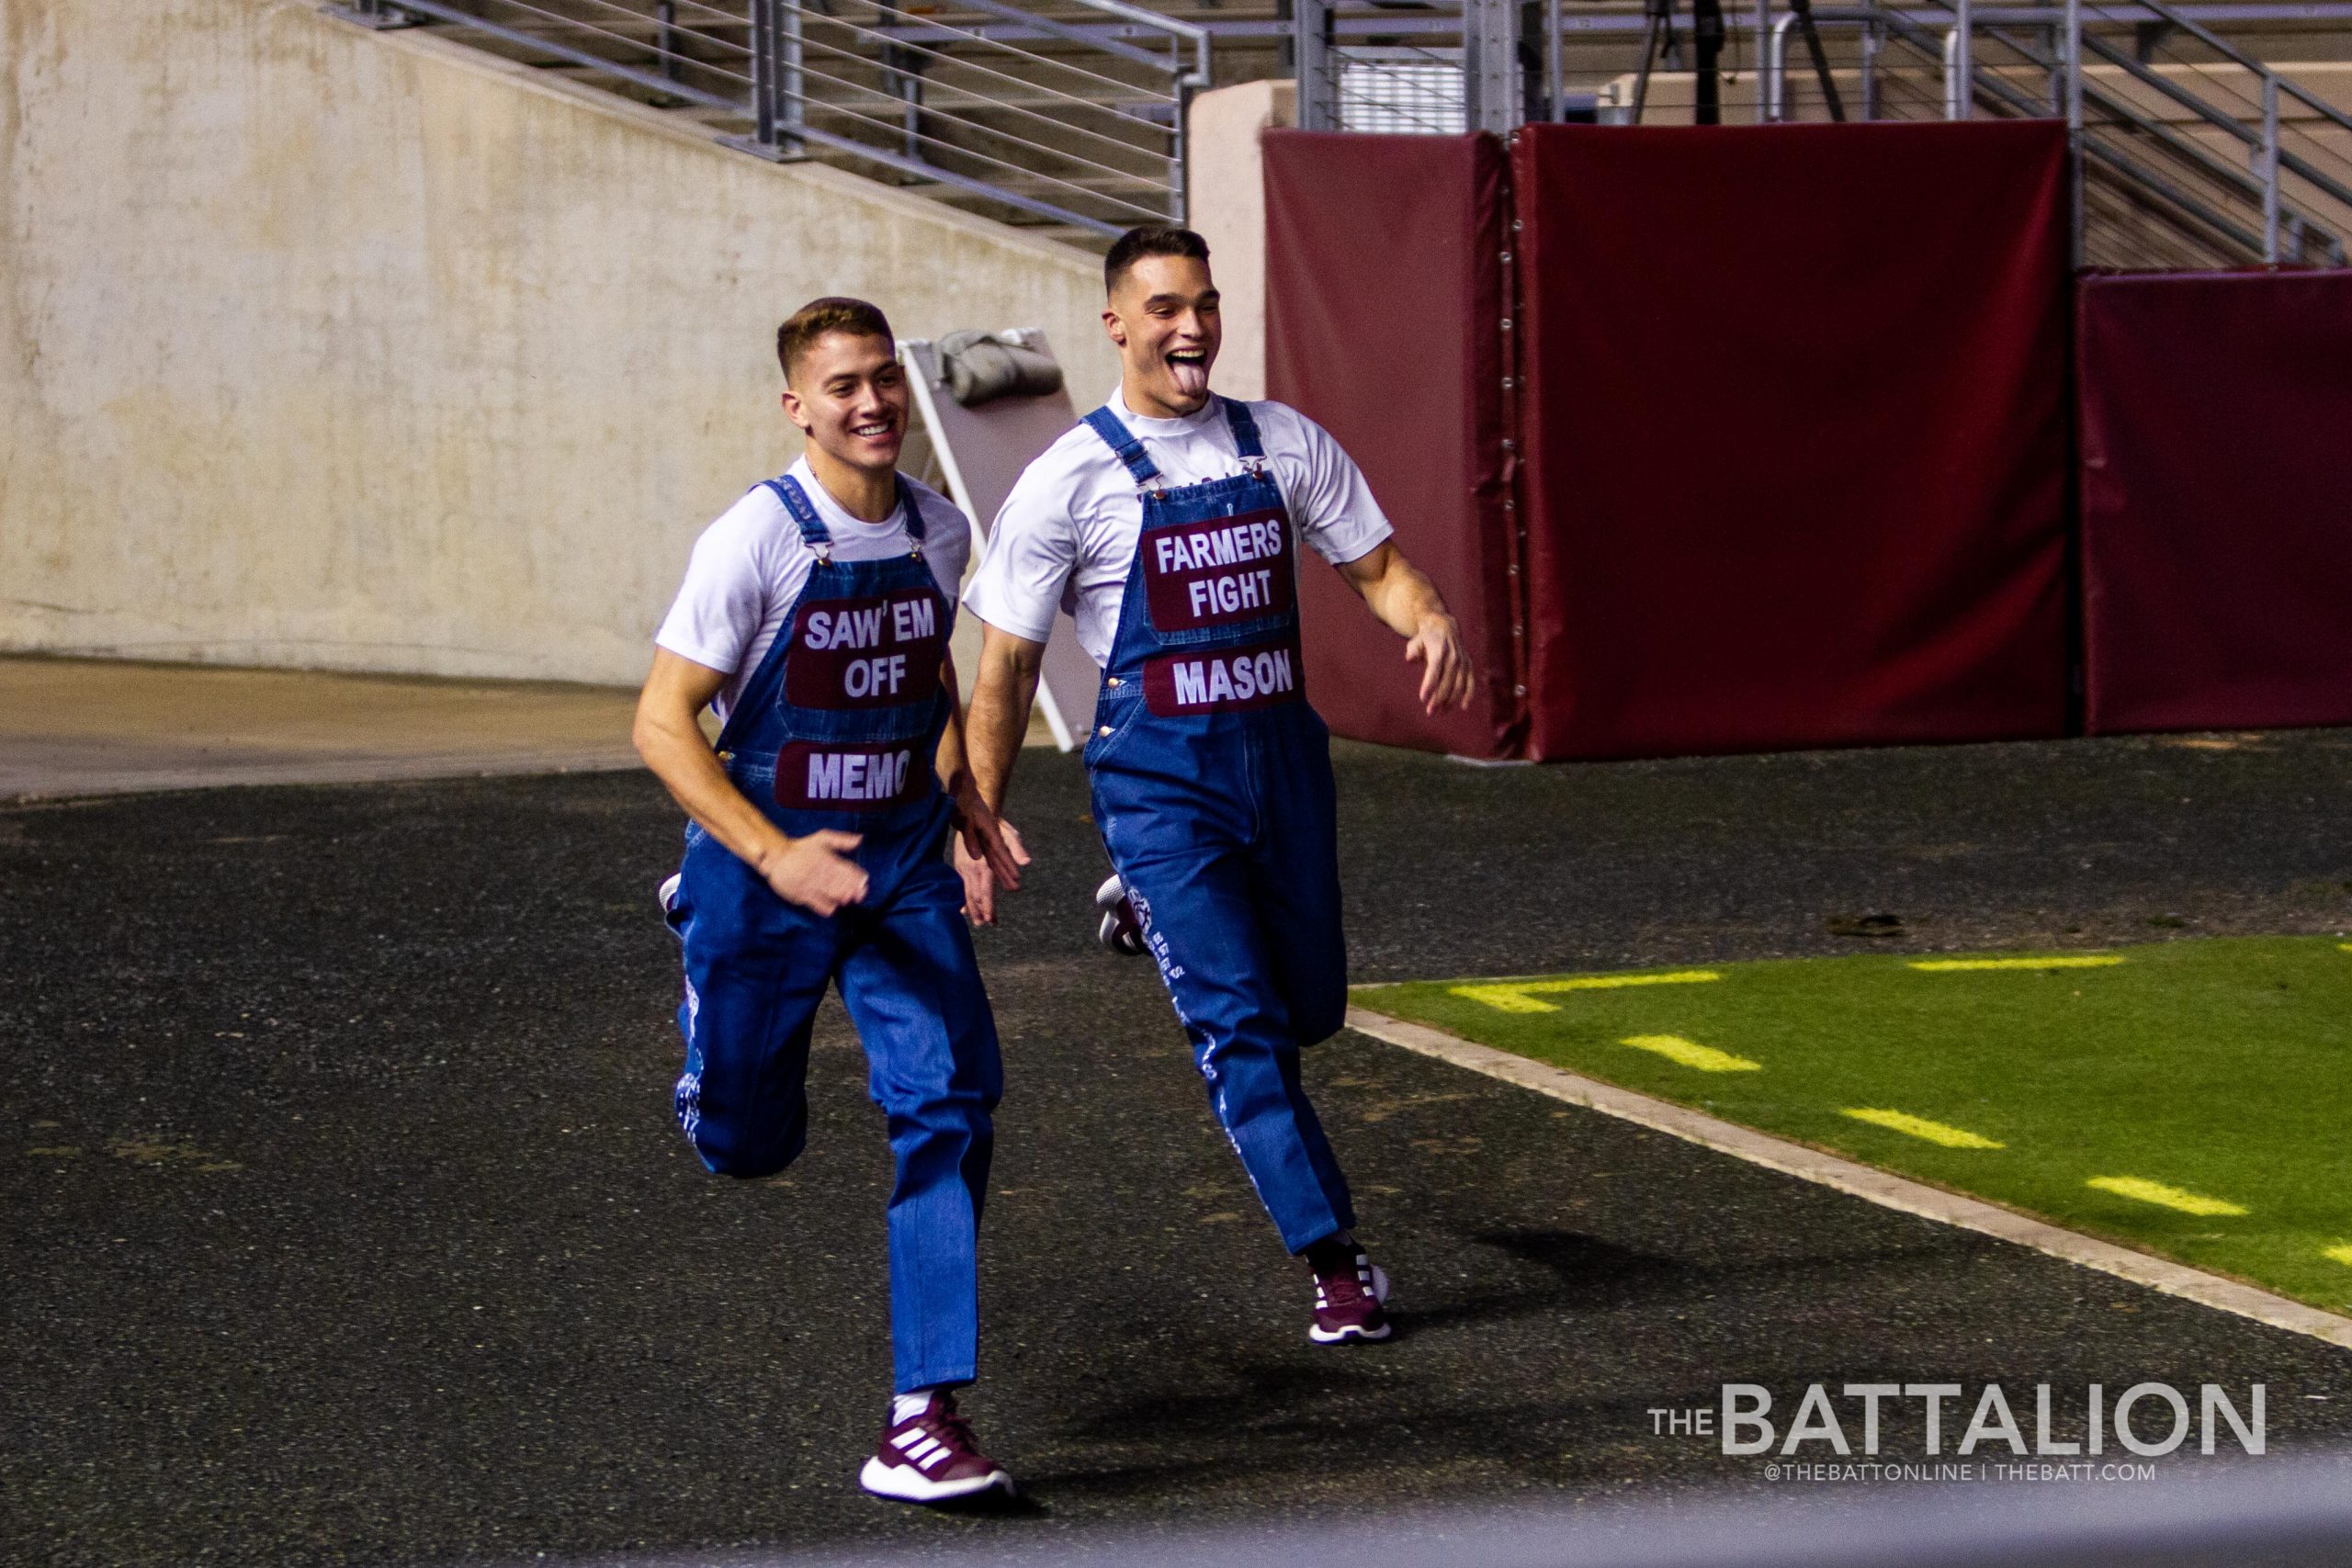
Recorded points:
2166,12
930,139
1080,123
1009,80
2260,187
440,11
835,105
846,84
1966,79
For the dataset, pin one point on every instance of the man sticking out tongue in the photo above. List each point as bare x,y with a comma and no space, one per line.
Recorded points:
1173,511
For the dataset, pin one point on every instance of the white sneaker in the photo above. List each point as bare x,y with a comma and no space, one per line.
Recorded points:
1119,931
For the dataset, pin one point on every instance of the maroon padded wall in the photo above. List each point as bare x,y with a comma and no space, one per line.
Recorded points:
1795,402
2217,500
1384,324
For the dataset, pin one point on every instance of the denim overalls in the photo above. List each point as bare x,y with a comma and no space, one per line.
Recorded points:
839,727
1212,785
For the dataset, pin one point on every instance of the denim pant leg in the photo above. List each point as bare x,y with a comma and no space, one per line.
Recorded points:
1193,888
1295,877
912,986
756,968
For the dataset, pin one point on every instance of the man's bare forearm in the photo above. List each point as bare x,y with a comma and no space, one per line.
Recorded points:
670,740
1001,694
695,780
1402,596
950,762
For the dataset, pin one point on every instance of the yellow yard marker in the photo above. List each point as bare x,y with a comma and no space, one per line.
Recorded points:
1690,1053
1519,995
2157,1192
2075,961
1920,1127
2338,1254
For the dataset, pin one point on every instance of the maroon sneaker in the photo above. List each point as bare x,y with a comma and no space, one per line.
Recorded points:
1348,1304
931,1458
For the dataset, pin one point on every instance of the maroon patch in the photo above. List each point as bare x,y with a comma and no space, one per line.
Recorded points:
810,776
865,653
1221,681
1217,572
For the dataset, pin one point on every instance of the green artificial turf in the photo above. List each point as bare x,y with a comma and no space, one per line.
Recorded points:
2219,1068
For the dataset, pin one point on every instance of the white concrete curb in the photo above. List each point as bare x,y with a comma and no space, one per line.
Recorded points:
1846,1176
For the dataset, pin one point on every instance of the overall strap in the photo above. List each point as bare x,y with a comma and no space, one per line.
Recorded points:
1245,429
910,515
795,501
812,527
1122,440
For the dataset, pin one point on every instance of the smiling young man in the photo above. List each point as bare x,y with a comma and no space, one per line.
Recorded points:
813,622
1168,519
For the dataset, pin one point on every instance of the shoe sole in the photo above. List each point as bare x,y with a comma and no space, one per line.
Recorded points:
1340,1337
901,1485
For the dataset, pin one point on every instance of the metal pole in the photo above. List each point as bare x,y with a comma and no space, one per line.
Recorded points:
1179,193
1960,104
1555,75
763,71
1319,93
666,14
1776,70
2074,114
1493,97
2269,168
1765,99
2055,36
788,80
1874,41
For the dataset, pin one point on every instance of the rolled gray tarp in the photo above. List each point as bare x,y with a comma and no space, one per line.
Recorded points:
983,366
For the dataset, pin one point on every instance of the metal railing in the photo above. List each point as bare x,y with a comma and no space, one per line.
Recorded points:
1450,67
2187,151
1069,113
2184,153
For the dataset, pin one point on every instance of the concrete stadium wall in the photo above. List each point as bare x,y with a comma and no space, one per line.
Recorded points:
1222,140
354,350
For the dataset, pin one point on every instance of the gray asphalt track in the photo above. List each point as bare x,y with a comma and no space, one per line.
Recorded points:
345,1222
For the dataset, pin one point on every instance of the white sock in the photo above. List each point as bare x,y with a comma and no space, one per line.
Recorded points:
907,1406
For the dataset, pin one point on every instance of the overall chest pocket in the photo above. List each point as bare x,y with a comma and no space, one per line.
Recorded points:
1218,579
856,655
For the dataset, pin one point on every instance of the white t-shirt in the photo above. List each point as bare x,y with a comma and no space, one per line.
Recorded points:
749,568
1066,536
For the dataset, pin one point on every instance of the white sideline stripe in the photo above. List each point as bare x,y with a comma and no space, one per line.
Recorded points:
1859,1180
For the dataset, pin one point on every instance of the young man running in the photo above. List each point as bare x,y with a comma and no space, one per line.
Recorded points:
814,623
1169,517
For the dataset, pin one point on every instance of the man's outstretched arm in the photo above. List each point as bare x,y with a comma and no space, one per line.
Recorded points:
814,872
1408,605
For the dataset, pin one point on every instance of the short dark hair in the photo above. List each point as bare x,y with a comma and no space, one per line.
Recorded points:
1151,240
833,313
